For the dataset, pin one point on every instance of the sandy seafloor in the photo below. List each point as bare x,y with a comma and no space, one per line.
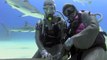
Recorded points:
15,49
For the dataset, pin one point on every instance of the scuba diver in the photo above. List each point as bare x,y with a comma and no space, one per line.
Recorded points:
49,32
84,40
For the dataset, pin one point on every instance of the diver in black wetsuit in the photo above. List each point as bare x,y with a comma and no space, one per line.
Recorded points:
49,32
84,40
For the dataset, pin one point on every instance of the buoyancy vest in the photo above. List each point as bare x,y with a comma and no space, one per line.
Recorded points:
51,35
75,29
100,39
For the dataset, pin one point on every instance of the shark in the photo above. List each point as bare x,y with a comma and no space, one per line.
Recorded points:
25,28
25,7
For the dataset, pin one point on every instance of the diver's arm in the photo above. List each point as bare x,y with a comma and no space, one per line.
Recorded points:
86,37
37,37
63,30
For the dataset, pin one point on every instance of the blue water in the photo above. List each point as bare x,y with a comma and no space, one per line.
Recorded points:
11,19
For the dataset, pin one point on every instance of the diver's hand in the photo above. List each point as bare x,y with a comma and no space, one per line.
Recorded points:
68,44
46,55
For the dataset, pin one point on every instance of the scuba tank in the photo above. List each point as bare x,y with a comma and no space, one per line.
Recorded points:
96,15
100,15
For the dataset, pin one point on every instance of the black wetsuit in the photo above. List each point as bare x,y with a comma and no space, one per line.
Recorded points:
50,34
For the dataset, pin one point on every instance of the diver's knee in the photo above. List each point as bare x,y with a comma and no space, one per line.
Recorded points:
94,54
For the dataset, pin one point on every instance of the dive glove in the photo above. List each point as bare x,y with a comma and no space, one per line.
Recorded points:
68,44
46,55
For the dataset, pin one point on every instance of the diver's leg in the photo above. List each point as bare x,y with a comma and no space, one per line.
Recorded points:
37,55
106,56
97,53
74,57
55,49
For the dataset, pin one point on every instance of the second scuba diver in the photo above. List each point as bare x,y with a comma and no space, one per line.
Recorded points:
84,40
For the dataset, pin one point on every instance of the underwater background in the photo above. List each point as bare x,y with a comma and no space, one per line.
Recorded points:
22,44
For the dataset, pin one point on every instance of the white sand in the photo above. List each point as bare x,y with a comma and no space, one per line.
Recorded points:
17,49
21,49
